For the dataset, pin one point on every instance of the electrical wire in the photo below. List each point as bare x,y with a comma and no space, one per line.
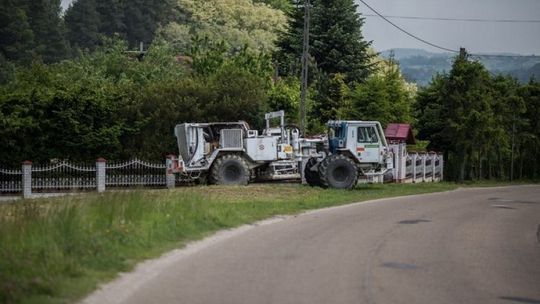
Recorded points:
456,19
408,33
385,18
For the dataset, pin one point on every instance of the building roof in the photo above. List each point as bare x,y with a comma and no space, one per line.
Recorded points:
400,132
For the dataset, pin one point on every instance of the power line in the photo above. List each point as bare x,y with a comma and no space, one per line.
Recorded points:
433,44
455,19
406,32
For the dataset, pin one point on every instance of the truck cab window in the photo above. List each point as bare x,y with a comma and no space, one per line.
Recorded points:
367,135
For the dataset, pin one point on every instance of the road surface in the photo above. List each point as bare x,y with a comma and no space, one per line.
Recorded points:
464,246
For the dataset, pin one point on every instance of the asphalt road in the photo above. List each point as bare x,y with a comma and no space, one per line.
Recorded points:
465,246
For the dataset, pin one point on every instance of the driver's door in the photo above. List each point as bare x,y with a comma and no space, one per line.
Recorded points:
368,146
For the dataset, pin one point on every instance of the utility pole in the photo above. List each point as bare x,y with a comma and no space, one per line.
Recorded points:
462,52
305,68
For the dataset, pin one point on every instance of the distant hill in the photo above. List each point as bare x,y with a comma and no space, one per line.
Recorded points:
420,66
400,53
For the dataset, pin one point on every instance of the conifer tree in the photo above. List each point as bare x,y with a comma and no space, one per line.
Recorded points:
16,36
49,30
338,45
289,53
111,17
336,41
83,24
142,18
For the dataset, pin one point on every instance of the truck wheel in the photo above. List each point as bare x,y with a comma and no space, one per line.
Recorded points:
230,169
312,177
338,171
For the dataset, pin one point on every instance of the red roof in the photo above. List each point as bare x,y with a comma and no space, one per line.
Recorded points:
400,132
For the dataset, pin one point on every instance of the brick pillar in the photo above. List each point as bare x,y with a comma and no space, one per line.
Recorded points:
101,165
169,173
27,179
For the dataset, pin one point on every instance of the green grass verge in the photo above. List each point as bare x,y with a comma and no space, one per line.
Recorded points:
58,250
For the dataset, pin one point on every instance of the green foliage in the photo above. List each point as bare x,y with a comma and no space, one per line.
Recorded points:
285,95
332,98
112,18
142,19
110,105
83,24
384,97
75,109
16,36
289,44
135,21
239,23
207,57
284,5
340,56
482,123
338,45
31,29
48,28
229,94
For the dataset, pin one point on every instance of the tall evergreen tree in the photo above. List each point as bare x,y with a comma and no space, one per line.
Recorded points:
289,53
16,36
338,45
83,24
142,18
111,15
48,27
336,41
469,115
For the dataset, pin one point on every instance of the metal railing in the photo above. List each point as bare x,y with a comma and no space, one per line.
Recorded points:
416,167
135,173
65,176
10,181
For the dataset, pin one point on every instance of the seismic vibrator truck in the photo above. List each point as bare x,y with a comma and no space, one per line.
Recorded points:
230,153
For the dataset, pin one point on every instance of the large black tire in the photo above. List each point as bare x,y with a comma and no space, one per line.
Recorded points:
230,169
312,177
338,171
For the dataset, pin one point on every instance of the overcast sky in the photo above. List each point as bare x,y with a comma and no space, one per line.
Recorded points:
521,38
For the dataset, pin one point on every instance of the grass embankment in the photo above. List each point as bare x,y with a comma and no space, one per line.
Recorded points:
57,250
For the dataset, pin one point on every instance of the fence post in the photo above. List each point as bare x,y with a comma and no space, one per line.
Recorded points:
27,179
169,174
433,167
101,165
441,165
424,156
413,163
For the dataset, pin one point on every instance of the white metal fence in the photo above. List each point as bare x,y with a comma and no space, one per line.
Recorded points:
10,181
64,176
421,167
135,173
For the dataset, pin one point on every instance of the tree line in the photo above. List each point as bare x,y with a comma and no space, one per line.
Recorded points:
69,89
486,125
